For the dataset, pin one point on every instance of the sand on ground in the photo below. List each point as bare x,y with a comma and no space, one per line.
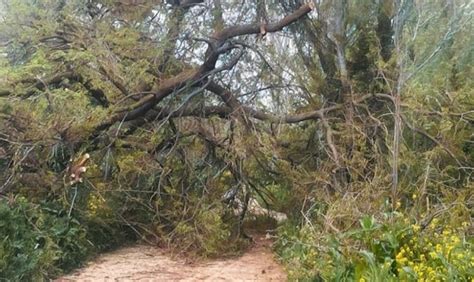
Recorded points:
148,263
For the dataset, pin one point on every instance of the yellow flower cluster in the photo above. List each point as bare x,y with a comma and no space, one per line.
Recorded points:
312,257
432,256
95,203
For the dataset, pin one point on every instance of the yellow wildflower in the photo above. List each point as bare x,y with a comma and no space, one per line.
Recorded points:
446,232
455,239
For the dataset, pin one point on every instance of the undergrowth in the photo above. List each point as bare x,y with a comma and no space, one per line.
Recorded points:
40,240
392,247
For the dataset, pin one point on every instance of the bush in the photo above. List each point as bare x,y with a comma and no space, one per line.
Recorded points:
206,235
436,253
39,241
391,250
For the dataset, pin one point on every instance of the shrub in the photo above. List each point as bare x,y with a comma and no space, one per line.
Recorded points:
38,240
437,253
390,250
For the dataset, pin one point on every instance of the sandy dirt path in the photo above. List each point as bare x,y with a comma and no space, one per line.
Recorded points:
145,263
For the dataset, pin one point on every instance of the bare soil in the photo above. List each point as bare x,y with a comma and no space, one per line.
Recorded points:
146,263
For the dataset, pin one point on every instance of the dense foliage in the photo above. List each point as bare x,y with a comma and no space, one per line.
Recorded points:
42,240
355,118
388,251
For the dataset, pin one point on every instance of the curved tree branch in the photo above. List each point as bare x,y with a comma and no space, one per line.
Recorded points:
194,76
